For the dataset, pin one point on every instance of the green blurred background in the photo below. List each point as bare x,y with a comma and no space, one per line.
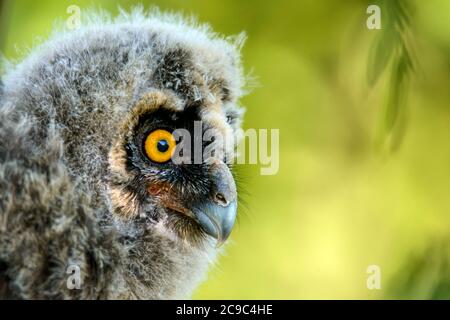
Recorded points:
364,178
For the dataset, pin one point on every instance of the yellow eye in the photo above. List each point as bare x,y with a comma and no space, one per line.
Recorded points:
160,145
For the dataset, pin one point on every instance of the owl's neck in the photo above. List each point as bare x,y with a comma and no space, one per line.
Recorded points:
155,264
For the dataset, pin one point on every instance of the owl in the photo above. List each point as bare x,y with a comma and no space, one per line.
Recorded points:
92,205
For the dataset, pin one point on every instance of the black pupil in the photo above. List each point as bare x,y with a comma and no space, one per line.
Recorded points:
162,145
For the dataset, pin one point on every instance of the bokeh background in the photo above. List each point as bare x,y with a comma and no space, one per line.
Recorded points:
364,120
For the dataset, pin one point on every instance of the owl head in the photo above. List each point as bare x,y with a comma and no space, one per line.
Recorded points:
119,90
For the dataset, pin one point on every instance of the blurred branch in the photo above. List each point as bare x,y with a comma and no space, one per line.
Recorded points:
392,51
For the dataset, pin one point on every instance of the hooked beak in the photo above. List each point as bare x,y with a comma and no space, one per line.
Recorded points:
217,216
216,220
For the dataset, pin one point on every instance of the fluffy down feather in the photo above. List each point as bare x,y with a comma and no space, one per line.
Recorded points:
59,113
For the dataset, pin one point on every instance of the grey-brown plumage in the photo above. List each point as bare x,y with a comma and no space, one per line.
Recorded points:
75,188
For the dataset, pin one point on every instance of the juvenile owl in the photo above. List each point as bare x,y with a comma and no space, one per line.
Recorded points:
92,205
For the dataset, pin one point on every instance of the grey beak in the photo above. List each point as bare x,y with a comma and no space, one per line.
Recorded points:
217,215
217,220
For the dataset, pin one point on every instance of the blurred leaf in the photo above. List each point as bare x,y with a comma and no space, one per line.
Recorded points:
424,275
378,58
396,98
390,48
